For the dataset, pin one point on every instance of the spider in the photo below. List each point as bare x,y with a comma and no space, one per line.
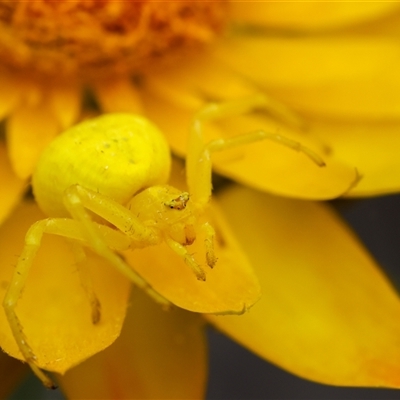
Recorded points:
103,185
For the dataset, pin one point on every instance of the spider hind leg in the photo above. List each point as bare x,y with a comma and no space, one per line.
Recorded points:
86,282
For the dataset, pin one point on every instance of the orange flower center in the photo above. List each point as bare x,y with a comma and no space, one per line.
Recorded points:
91,38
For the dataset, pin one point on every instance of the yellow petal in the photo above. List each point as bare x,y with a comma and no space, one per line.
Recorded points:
118,95
327,313
11,186
167,88
344,77
372,147
199,78
65,102
54,309
10,92
29,130
309,16
231,286
265,165
12,373
159,355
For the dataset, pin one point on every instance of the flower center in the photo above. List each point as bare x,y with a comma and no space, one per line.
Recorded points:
99,38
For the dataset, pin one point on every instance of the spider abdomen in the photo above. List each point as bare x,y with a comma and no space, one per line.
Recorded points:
115,155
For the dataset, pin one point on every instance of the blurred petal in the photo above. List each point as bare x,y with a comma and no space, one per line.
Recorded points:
65,102
54,309
327,313
29,130
373,148
10,92
159,355
11,186
199,79
118,95
343,77
12,372
231,286
310,16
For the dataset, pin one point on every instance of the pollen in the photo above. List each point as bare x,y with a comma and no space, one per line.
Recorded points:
99,38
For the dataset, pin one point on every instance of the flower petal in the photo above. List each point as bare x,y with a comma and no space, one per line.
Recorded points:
54,309
327,313
372,147
29,130
310,16
11,186
231,286
198,79
118,95
10,92
65,102
159,355
344,77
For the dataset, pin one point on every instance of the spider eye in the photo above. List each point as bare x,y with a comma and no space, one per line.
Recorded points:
178,203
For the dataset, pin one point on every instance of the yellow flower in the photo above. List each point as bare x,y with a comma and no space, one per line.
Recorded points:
329,71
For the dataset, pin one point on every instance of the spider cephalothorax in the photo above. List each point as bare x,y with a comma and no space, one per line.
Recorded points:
168,211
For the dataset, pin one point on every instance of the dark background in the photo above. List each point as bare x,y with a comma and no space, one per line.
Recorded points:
236,373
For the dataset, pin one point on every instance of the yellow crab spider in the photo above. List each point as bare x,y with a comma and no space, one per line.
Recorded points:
103,185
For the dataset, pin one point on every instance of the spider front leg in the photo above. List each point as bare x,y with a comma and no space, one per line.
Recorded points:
198,162
182,251
188,258
209,244
14,291
77,199
64,227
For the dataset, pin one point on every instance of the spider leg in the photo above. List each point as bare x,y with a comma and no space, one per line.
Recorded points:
14,291
57,226
115,240
209,244
198,162
86,281
77,199
189,259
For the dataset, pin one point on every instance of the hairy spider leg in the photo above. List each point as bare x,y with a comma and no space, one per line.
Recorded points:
77,199
189,259
64,227
182,251
198,162
86,281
